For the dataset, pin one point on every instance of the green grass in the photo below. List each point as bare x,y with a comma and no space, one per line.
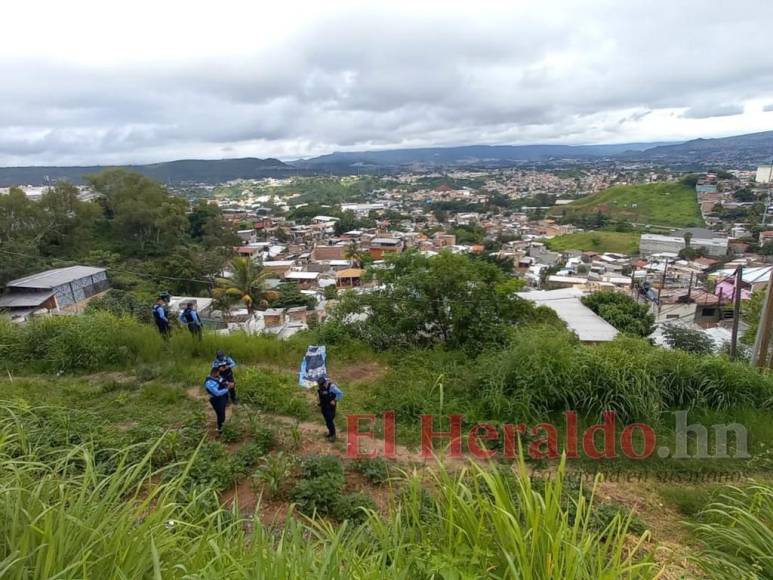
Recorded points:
597,241
62,515
664,204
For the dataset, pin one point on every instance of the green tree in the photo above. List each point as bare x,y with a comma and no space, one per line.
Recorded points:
447,299
145,220
622,312
687,339
246,284
19,235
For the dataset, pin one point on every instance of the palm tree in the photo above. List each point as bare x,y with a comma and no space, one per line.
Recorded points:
687,239
247,284
356,254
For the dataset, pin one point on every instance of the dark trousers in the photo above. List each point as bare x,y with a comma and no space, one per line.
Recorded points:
219,404
232,394
195,330
163,328
329,413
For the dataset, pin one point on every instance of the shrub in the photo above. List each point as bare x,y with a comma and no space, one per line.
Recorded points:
272,392
687,339
375,470
622,312
322,465
232,431
319,494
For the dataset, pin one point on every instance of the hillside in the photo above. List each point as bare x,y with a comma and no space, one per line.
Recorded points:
748,150
470,155
182,171
597,241
665,204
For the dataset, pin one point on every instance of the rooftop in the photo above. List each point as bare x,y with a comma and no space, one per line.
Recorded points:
54,278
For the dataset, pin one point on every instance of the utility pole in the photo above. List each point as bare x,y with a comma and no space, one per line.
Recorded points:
689,287
736,312
662,283
762,340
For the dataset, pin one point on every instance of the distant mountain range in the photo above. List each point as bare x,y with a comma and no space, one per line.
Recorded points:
738,151
485,155
173,172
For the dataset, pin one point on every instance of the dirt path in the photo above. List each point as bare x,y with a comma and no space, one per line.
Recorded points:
669,541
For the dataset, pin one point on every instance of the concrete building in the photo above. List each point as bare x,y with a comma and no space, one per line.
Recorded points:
764,174
657,244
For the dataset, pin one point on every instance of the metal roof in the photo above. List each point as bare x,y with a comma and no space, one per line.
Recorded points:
580,319
24,299
55,278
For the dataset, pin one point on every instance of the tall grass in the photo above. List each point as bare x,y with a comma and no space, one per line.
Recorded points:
545,371
737,534
61,517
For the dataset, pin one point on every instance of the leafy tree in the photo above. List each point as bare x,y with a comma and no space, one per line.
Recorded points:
144,218
121,303
687,339
247,284
357,254
469,234
622,312
448,299
744,195
288,295
19,235
66,223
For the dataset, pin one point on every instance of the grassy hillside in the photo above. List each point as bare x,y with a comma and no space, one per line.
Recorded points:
667,204
597,241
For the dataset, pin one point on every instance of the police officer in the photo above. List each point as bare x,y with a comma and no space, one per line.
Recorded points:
218,394
327,404
227,366
160,317
191,319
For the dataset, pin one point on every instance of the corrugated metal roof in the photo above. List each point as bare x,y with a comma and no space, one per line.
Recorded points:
54,278
24,299
588,326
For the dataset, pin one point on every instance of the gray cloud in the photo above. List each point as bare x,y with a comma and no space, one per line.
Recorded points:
707,111
373,76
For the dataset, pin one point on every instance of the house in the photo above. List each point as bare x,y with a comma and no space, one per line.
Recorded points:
586,324
381,246
305,280
61,289
203,305
349,278
325,253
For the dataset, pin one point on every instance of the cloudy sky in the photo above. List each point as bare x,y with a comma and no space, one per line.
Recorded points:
92,82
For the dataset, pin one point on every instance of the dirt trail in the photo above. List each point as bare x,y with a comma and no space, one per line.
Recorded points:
668,534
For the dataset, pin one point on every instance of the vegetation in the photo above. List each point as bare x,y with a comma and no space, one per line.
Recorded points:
448,299
736,532
73,518
687,339
621,311
597,241
664,204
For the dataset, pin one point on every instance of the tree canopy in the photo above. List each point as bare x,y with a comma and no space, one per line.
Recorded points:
447,299
622,312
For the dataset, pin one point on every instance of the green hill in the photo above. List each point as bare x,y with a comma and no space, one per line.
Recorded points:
664,204
597,241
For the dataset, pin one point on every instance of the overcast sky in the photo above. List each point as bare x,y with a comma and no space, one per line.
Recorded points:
92,82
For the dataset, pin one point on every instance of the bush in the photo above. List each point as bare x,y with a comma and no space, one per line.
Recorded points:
375,470
122,304
273,473
688,339
322,465
622,312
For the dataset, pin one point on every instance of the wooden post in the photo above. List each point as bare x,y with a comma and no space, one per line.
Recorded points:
736,312
762,340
